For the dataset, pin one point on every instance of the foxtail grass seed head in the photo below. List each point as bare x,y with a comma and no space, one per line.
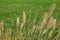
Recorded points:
24,17
18,22
46,16
34,27
49,13
49,25
24,20
51,10
2,25
22,24
53,23
44,20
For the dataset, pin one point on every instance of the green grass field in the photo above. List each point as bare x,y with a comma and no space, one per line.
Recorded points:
11,9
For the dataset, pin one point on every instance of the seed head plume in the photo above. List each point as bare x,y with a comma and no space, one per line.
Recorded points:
17,21
51,10
53,26
48,26
24,20
44,20
47,15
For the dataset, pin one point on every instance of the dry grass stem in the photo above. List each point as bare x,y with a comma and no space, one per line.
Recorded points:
46,16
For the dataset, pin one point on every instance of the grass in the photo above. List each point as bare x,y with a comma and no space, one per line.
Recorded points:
29,20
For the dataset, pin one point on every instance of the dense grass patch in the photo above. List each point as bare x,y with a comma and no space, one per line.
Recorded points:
11,9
